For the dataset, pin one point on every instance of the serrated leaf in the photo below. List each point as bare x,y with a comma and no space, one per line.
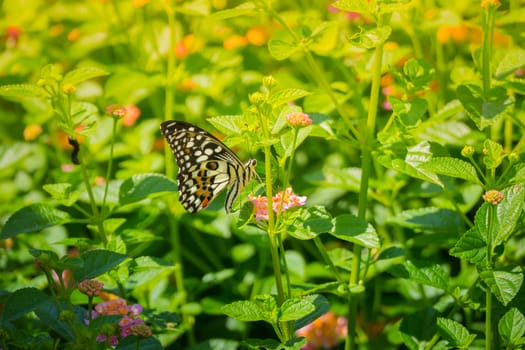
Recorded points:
471,247
483,110
295,308
369,39
359,6
244,9
350,228
431,275
283,96
81,74
418,74
418,327
508,212
281,50
140,186
22,301
410,112
227,124
21,90
430,219
455,333
321,304
244,310
504,283
494,154
512,326
62,192
96,262
513,60
452,167
34,217
310,222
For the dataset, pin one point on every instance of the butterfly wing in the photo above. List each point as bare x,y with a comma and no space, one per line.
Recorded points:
206,165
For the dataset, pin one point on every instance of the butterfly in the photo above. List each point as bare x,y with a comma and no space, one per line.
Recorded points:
206,166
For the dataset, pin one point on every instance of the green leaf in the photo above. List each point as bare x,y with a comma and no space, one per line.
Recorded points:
455,333
394,6
324,38
295,308
310,222
513,59
81,74
62,192
418,328
371,38
359,6
471,247
140,186
271,344
281,49
452,167
21,90
287,141
512,326
508,212
21,302
228,124
350,228
504,283
34,217
432,219
246,8
484,111
268,305
96,262
417,74
493,154
410,112
413,164
431,275
283,96
321,304
244,310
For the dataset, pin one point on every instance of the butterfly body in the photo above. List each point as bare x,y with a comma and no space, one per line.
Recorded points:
206,166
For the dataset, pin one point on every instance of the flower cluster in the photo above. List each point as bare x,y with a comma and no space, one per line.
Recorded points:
90,287
493,197
130,324
298,119
282,201
324,333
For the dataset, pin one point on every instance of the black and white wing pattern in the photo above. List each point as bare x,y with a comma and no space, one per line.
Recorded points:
206,166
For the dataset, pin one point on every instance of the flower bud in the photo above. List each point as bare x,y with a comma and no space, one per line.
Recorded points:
256,98
493,197
269,82
69,89
467,151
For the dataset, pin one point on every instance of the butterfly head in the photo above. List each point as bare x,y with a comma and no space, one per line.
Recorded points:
251,173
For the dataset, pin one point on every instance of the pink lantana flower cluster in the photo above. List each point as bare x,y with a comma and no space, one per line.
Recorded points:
298,119
130,324
282,201
90,287
325,332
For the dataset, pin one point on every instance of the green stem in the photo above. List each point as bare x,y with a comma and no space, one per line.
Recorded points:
369,136
488,294
488,35
94,209
322,250
110,166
